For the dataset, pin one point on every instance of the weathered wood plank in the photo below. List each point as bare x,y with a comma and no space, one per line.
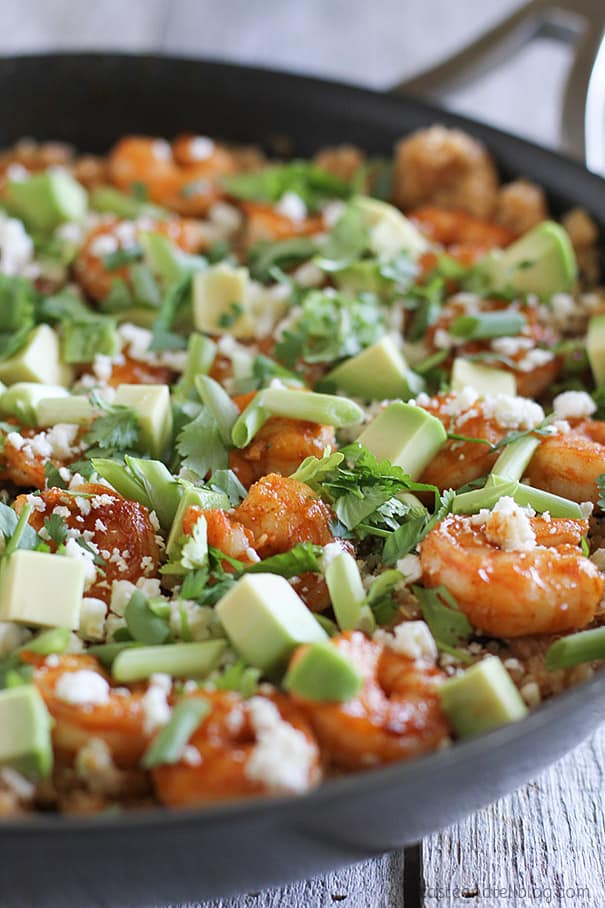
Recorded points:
372,884
542,845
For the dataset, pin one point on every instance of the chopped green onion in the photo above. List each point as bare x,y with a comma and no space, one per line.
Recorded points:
542,501
488,324
169,745
220,405
55,640
474,501
511,463
248,423
587,646
107,653
143,625
181,660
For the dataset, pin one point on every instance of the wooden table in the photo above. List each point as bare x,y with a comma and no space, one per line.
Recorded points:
542,845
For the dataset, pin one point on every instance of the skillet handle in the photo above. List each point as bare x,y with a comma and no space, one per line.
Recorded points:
580,23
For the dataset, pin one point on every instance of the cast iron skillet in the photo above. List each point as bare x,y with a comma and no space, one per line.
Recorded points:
156,856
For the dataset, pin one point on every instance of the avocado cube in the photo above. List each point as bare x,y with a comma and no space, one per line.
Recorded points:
378,372
542,261
37,361
390,231
405,435
320,672
22,398
595,348
484,379
220,301
483,697
25,742
73,409
45,200
41,589
266,620
152,405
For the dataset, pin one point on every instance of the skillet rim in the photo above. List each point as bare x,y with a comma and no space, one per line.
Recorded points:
548,714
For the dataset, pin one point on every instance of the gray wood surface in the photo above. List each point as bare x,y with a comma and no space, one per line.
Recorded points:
542,845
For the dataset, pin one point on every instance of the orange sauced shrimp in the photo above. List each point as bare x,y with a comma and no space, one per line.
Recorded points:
465,414
27,450
397,714
280,446
112,235
117,529
264,222
182,177
570,462
115,715
130,371
242,747
224,533
529,356
460,232
513,574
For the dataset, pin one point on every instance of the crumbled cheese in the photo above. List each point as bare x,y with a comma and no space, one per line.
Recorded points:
513,412
103,244
226,217
149,586
40,445
511,346
102,367
16,246
82,688
136,339
73,550
309,275
18,784
113,623
535,359
37,503
509,527
292,206
282,758
15,440
156,709
443,340
586,507
192,621
92,618
410,567
332,213
201,148
102,501
191,756
458,402
531,694
573,405
412,639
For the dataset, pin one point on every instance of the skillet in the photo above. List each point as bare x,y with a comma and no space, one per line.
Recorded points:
155,856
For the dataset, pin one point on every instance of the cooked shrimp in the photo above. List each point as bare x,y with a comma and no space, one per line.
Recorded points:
569,463
545,589
459,462
26,451
112,235
459,230
119,722
224,533
280,446
264,222
280,512
183,178
444,167
117,529
520,206
230,751
528,356
397,714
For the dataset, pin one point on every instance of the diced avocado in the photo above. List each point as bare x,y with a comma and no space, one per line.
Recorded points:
346,589
181,660
515,457
46,199
21,400
37,361
74,409
390,231
595,348
25,742
108,200
484,379
320,672
152,405
191,497
542,261
482,698
378,372
405,435
266,620
41,589
220,301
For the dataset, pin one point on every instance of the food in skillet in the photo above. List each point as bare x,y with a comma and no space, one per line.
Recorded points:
301,464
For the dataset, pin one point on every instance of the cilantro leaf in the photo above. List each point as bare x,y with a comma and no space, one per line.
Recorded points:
346,242
200,447
15,529
117,430
448,625
53,477
17,313
56,528
241,678
284,254
402,540
380,596
176,299
301,558
307,180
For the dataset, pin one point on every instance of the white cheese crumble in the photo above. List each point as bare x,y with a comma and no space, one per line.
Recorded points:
16,246
18,784
282,758
73,550
156,709
573,404
82,688
201,148
586,507
513,412
309,275
104,244
92,618
410,567
61,439
534,360
412,639
292,206
459,402
509,527
511,346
